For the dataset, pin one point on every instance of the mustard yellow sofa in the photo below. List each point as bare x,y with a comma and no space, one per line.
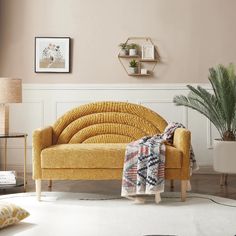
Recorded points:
88,143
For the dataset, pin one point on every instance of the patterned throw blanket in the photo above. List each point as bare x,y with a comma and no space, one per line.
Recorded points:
144,167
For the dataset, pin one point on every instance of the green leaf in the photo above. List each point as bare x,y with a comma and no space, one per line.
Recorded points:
220,106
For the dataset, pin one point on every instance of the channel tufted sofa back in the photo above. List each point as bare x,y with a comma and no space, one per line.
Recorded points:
107,122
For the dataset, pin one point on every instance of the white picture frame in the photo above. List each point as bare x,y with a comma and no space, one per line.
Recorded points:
52,54
148,52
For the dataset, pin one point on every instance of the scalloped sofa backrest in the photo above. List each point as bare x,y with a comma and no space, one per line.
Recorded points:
107,122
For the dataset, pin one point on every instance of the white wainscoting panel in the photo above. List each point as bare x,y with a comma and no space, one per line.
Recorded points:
44,103
167,109
27,116
61,107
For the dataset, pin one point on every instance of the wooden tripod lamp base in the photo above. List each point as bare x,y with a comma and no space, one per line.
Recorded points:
4,119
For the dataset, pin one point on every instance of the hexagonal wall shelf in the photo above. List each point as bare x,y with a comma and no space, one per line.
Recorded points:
146,56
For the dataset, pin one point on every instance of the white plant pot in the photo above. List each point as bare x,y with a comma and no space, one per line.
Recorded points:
224,156
132,52
123,52
133,70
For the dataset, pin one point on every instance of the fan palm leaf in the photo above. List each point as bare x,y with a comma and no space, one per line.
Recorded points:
220,106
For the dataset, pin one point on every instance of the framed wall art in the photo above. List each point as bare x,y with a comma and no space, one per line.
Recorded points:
148,51
52,54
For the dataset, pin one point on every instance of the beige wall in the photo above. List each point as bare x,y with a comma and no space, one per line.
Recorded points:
192,35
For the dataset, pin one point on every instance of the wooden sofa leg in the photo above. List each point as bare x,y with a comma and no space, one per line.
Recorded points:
38,188
171,184
183,190
224,179
50,183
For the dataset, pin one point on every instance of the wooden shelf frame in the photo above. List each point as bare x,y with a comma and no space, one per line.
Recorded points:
148,60
139,58
127,56
139,74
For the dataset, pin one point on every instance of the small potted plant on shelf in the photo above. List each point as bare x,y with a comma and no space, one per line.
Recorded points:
220,108
133,49
124,49
133,66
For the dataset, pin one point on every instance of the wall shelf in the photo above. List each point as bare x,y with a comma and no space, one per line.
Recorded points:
139,74
148,64
127,56
148,60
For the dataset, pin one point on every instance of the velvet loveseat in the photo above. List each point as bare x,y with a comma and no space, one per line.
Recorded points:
88,143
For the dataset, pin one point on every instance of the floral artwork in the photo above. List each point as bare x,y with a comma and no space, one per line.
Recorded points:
52,54
52,57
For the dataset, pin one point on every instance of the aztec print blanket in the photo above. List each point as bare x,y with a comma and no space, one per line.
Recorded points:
144,166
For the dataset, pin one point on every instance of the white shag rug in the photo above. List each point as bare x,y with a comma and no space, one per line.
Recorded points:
69,214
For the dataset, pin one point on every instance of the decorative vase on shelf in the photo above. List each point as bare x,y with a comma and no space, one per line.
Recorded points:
133,52
133,67
123,52
133,49
133,70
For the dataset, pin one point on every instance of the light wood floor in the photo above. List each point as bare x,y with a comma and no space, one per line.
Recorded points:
201,183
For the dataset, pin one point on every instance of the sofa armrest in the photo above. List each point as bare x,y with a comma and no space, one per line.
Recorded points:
42,138
182,141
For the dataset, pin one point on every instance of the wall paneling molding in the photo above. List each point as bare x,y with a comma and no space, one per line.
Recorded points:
44,103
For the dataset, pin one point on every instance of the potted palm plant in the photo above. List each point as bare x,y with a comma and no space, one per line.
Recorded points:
133,66
220,108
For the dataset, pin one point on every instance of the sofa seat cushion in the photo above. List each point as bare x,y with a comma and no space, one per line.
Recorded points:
105,156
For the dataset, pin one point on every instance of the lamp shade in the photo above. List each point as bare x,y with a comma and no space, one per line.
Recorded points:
10,90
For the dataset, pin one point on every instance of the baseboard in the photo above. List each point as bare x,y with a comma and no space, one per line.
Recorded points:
206,170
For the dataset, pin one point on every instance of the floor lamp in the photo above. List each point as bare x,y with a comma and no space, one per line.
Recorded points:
10,92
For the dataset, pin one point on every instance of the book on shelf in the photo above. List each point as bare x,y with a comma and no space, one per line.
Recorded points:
7,177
